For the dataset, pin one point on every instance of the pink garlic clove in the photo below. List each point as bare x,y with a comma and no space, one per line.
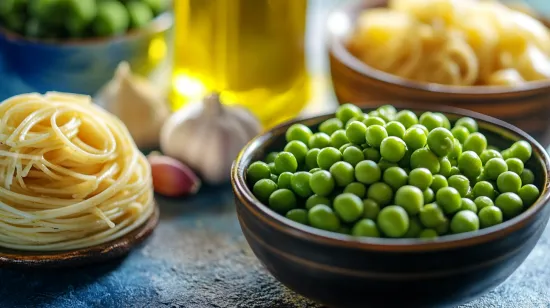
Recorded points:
171,177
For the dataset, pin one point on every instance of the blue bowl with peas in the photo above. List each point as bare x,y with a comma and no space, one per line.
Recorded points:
399,206
76,45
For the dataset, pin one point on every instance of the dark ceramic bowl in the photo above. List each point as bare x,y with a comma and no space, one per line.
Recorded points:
526,106
79,65
344,271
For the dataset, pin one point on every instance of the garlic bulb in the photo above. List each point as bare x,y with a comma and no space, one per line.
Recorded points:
208,136
137,103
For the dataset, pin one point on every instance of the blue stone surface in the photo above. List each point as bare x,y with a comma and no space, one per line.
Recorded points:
198,258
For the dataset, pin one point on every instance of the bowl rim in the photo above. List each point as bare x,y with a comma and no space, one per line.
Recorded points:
337,47
308,233
160,23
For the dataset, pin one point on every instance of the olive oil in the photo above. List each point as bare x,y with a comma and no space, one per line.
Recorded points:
251,51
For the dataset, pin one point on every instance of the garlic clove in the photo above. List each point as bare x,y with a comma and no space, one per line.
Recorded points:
172,178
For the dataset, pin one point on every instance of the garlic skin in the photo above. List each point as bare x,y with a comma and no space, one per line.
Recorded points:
171,177
137,103
208,137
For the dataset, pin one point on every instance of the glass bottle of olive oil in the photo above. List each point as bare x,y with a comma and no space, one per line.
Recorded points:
251,51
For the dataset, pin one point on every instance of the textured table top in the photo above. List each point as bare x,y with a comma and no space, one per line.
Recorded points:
198,258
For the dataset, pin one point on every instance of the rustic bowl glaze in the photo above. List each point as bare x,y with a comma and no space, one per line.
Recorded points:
62,259
344,271
526,106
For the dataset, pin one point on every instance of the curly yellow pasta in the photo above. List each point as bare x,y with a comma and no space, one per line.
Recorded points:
453,42
70,174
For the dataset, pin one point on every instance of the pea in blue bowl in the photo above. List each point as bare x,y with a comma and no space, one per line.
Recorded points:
79,66
340,270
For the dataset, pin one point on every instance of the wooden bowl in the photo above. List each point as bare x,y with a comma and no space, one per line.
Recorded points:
344,271
526,106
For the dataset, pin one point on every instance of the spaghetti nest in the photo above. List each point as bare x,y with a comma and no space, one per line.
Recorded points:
70,174
452,42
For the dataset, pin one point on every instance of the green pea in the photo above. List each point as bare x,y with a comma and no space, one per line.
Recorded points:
476,142
387,112
460,183
313,200
330,126
111,19
407,118
395,129
445,167
424,158
484,188
448,199
372,154
285,161
140,14
284,180
469,164
429,195
483,201
319,141
438,182
529,194
405,162
489,154
270,158
282,200
469,123
393,221
431,120
348,206
322,217
298,149
338,138
365,227
440,141
300,184
460,133
421,178
375,135
361,118
431,215
506,154
395,177
272,168
274,178
393,149
374,120
527,177
464,221
370,209
345,146
263,189
415,227
322,183
494,167
510,204
422,127
343,173
353,155
158,6
328,157
381,193
298,215
428,234
443,228
457,150
355,132
446,123
409,198
522,150
454,170
257,171
508,182
515,165
356,188
385,164
347,111
311,158
490,216
415,138
312,171
468,205
367,172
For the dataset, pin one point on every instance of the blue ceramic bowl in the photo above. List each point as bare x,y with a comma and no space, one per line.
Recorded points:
78,66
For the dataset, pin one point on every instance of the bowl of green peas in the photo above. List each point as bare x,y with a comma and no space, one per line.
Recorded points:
399,206
76,45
